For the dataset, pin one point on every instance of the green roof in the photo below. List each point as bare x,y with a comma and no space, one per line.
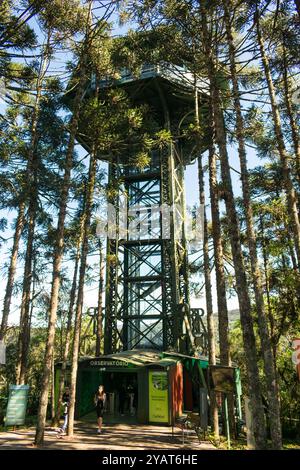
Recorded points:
138,357
135,357
145,357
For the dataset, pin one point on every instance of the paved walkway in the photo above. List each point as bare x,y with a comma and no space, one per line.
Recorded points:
115,437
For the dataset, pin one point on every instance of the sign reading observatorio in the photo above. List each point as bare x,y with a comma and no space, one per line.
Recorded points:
108,363
17,404
158,397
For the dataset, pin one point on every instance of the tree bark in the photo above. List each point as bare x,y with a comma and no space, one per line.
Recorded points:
289,109
57,261
58,256
69,328
22,356
100,301
269,366
12,270
223,323
53,391
242,287
32,176
267,285
79,304
209,304
219,261
207,276
234,232
292,208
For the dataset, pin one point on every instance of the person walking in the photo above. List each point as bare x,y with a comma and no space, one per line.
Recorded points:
65,401
100,403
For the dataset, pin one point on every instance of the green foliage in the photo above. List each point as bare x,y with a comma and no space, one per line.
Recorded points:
141,160
122,130
163,138
65,17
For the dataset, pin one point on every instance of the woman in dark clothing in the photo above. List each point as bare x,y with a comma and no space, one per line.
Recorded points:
100,399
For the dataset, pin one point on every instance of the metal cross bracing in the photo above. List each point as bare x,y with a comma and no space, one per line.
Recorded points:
111,328
149,279
147,267
199,330
147,276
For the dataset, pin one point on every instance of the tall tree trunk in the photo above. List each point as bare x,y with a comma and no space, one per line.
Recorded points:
27,329
12,270
22,356
79,304
223,323
58,256
69,326
207,276
292,208
32,177
290,113
267,285
100,301
219,261
269,366
53,391
242,286
209,304
234,232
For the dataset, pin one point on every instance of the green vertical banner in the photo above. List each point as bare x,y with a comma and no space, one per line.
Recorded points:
158,397
17,404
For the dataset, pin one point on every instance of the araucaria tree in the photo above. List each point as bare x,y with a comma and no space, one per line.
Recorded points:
62,114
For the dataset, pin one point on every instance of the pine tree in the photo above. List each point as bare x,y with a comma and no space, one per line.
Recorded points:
286,172
68,333
99,332
207,275
83,260
234,230
33,170
269,368
58,255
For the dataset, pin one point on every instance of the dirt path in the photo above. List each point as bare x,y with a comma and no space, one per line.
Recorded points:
114,437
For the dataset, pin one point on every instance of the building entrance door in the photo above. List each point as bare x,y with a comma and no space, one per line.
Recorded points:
122,396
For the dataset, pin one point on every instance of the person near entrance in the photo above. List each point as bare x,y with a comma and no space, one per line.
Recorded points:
100,403
132,397
65,401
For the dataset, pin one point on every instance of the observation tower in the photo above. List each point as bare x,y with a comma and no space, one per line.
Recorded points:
147,302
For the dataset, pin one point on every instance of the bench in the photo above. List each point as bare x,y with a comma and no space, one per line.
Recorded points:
186,423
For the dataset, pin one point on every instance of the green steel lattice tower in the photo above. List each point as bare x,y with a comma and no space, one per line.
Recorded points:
147,288
147,274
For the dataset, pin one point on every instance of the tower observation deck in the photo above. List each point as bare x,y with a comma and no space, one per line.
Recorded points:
147,286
